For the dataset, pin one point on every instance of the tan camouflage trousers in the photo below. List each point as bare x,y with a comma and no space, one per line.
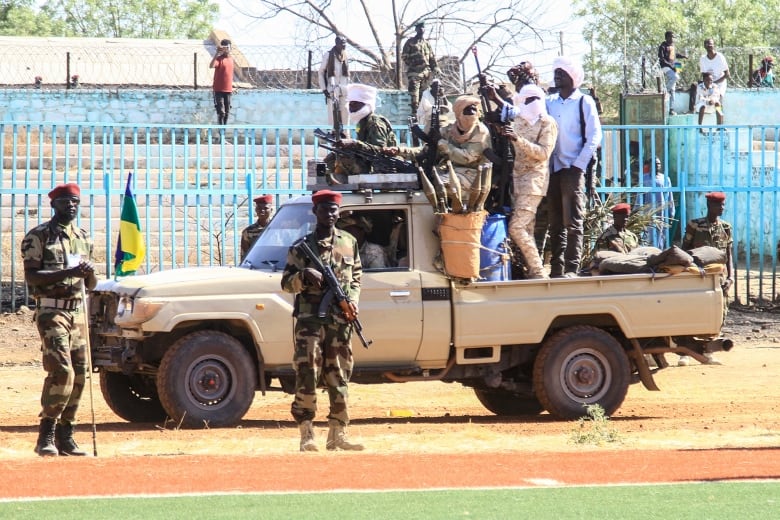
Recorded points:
521,230
64,351
323,357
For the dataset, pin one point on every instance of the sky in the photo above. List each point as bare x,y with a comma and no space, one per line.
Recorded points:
559,18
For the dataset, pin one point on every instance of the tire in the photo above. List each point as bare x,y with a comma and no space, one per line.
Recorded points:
133,398
502,402
579,366
207,379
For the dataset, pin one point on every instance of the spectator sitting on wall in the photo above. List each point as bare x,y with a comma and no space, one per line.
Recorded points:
708,99
763,76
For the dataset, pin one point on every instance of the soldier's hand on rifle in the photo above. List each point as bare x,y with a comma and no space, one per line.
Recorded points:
443,147
312,277
391,151
327,95
347,143
508,131
83,270
353,306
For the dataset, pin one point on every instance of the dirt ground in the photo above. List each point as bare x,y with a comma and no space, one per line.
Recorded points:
731,411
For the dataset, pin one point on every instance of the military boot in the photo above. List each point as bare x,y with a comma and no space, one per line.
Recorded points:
45,446
307,436
337,438
63,438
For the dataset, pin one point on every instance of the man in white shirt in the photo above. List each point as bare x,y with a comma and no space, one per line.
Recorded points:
715,63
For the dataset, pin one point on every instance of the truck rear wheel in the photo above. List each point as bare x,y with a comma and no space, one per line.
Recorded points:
206,378
578,366
133,398
502,402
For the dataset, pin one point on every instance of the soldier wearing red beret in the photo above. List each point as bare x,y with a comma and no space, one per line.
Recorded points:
617,237
712,231
264,210
58,267
323,352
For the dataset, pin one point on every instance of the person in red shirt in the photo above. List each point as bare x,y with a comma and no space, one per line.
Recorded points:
222,63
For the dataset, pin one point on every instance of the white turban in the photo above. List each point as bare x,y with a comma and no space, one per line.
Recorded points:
531,91
531,112
572,67
362,93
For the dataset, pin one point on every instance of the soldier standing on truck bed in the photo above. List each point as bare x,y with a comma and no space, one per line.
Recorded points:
323,352
57,265
263,210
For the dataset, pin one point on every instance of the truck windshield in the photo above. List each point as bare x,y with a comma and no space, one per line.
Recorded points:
290,223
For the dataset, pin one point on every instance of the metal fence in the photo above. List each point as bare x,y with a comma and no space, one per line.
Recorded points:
193,184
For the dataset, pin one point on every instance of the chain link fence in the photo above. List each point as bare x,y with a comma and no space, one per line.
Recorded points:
104,63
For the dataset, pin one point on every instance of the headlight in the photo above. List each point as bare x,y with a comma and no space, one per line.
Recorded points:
132,312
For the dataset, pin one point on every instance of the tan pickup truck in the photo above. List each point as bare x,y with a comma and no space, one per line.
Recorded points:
196,344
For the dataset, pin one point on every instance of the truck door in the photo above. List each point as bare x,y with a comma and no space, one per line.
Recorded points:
390,297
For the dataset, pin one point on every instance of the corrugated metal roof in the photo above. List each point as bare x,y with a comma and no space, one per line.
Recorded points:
106,61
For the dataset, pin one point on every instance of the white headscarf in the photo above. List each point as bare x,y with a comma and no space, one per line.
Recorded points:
573,68
365,94
533,110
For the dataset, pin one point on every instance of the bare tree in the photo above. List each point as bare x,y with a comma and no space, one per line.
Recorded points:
502,29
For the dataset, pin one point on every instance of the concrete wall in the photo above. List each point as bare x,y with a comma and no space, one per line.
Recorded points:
168,106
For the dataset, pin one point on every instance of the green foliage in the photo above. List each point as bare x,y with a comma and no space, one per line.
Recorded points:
153,19
624,31
594,428
20,18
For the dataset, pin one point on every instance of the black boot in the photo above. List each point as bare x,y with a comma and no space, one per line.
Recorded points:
64,439
45,446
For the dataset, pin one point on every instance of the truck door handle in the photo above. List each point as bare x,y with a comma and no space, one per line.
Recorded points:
399,294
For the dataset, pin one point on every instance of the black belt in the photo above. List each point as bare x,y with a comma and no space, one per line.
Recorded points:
56,303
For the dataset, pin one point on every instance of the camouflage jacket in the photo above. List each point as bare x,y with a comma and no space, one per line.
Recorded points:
533,148
340,251
51,247
373,133
248,237
619,241
418,57
700,232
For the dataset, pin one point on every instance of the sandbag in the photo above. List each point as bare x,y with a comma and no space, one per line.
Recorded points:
624,264
708,255
670,256
460,235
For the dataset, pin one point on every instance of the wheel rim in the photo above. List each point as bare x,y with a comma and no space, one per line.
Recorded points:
586,375
210,382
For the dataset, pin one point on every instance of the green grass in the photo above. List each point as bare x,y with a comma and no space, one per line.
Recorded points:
695,501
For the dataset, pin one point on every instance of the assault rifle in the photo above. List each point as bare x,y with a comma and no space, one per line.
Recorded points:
334,291
502,154
378,161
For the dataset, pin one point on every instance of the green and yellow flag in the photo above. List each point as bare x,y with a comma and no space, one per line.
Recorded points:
130,247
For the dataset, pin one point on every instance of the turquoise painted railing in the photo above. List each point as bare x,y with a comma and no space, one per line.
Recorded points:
193,183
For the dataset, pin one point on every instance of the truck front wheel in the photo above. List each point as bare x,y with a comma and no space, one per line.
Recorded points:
502,402
578,366
133,398
206,379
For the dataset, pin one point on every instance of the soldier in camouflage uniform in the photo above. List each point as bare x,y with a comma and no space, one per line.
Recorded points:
420,64
263,210
617,237
374,132
323,352
57,266
714,232
533,136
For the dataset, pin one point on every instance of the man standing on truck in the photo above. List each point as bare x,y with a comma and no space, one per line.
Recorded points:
579,135
57,267
533,135
712,231
323,352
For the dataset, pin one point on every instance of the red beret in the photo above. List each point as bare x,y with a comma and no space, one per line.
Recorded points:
65,190
326,196
717,196
268,199
621,209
